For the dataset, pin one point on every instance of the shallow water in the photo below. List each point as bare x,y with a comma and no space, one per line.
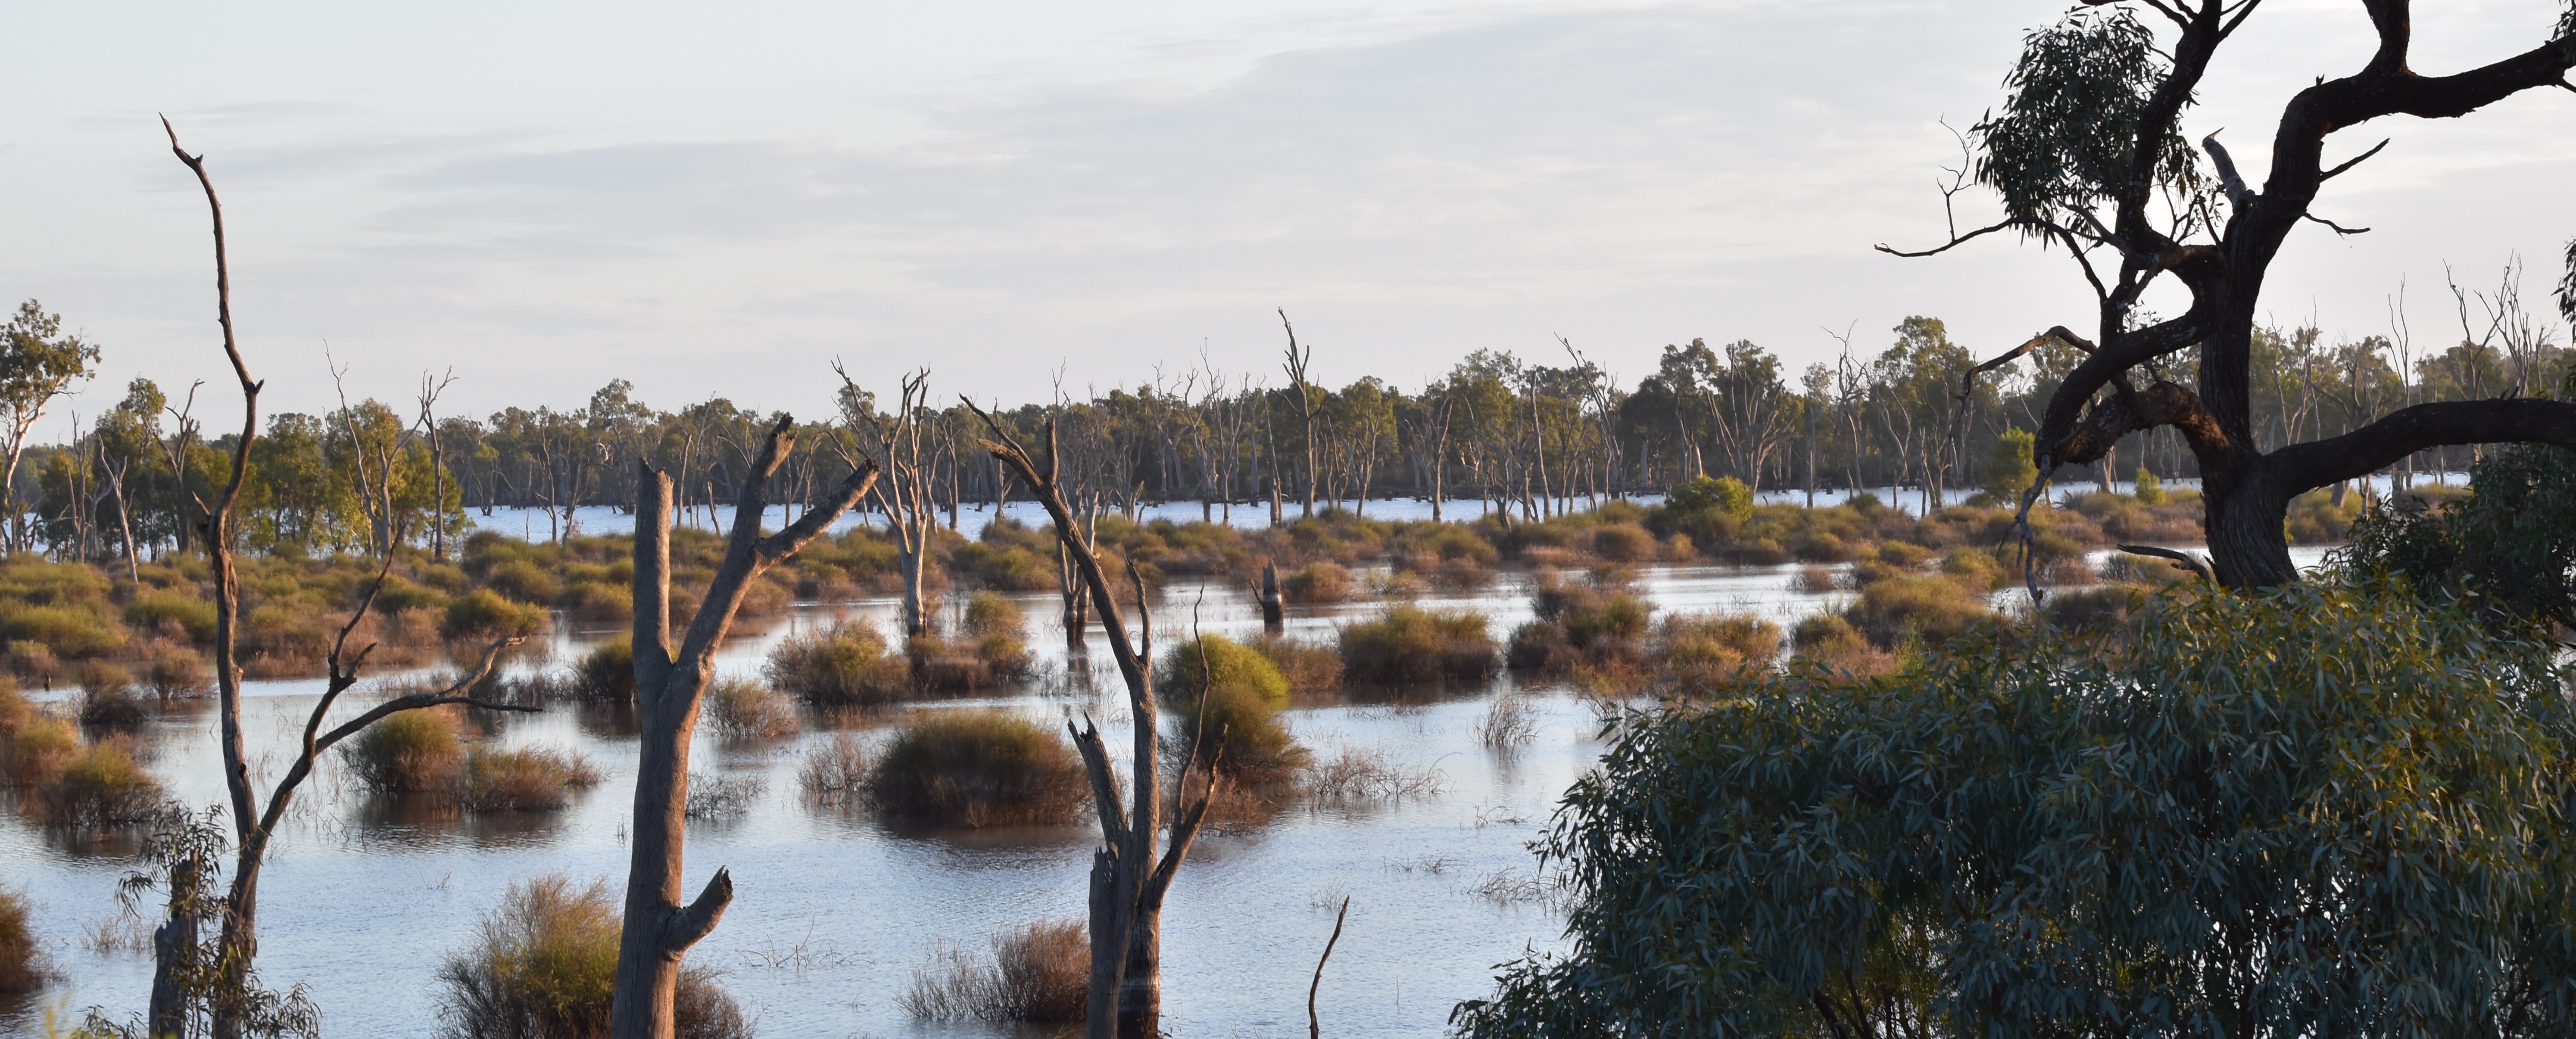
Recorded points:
363,896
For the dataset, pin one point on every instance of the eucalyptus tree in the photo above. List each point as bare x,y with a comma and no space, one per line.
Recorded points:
2088,156
37,363
904,493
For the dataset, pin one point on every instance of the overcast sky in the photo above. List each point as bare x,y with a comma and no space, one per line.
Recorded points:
718,199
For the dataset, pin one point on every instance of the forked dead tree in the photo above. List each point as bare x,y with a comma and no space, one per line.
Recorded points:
670,684
2093,123
236,1005
905,492
1296,369
1128,877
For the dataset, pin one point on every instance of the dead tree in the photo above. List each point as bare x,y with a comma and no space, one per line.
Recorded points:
1128,878
2056,165
905,494
235,999
1296,366
430,388
670,683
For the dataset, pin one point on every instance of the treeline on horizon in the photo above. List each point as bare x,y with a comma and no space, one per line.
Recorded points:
1529,439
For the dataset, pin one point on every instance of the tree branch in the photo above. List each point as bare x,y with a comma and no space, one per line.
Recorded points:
2354,161
695,920
1104,783
2367,450
1954,242
2196,564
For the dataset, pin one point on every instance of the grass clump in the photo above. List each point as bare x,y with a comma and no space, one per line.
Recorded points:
541,966
108,700
1599,623
835,771
34,745
750,710
1225,698
99,787
607,672
1318,582
1410,645
524,780
1038,974
409,752
1703,651
23,964
485,614
977,769
843,665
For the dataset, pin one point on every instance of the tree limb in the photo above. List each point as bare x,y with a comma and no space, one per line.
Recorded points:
2354,161
2367,450
1954,242
2196,564
699,917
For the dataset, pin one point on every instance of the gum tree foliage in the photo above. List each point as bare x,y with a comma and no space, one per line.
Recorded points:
2321,810
2088,157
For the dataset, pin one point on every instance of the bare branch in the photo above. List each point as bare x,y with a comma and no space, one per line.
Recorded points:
2354,161
2338,228
2237,193
1955,242
2194,563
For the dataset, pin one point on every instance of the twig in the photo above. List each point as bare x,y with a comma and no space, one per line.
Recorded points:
1314,1024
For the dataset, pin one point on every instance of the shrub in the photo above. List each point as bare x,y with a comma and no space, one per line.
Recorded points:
1706,651
69,631
749,710
2298,789
484,614
2010,470
1585,624
941,665
1899,606
1039,974
162,610
23,965
36,750
846,664
2151,491
977,769
1407,645
1307,667
108,700
1318,582
542,964
1225,699
100,786
607,672
1623,543
179,674
527,780
408,752
834,771
2506,546
399,595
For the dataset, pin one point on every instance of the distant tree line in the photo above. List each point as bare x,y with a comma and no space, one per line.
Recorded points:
1527,438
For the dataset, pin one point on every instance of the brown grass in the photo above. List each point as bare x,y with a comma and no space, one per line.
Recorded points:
23,964
750,710
410,752
1038,974
846,664
526,780
977,769
835,771
99,787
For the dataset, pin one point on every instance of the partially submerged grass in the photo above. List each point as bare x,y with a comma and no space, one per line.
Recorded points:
843,665
749,710
23,964
409,752
1410,645
716,796
1038,974
978,768
1319,582
108,700
1225,699
541,966
835,771
1355,774
607,672
1507,724
1708,650
99,787
525,780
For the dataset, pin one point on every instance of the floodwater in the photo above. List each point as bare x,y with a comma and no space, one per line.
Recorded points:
833,912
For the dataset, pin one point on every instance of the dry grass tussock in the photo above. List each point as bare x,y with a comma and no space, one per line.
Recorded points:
1508,724
1409,645
750,710
541,964
23,963
1038,974
525,780
977,769
35,745
846,664
1359,774
99,786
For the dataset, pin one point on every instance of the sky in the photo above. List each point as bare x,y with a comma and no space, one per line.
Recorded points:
722,199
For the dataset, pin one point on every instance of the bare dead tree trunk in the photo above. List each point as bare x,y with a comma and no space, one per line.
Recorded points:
1296,366
906,492
1273,615
669,686
1128,879
124,518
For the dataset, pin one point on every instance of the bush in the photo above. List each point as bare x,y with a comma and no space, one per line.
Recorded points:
408,752
530,780
834,771
36,750
179,674
2506,546
1409,645
484,614
1708,651
1623,543
108,700
68,631
2011,469
978,769
607,672
1900,606
843,665
1214,685
749,710
1308,668
160,610
23,965
1320,582
2151,491
100,786
1039,974
2250,811
543,962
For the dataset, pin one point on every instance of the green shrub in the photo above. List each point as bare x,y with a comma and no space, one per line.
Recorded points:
480,614
35,751
523,581
408,752
1225,700
400,594
23,964
843,665
1409,645
2254,810
1216,661
2505,547
1931,606
607,672
100,786
542,965
1706,651
2151,491
524,780
154,608
2010,470
1623,543
67,631
978,769
1319,582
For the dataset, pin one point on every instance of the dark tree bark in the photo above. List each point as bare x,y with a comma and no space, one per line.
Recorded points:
2247,491
670,684
1296,367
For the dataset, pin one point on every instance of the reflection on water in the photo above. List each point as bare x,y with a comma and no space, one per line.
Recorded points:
365,893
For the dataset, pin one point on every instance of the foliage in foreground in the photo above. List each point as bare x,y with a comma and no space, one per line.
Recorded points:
2316,811
541,964
2507,547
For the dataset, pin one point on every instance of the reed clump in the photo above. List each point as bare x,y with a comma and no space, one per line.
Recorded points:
409,752
835,771
750,710
532,779
1410,645
108,700
1038,974
1319,582
843,665
1597,623
1705,651
541,966
100,786
607,672
34,745
24,967
977,769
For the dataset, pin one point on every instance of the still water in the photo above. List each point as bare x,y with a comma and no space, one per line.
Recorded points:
833,912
